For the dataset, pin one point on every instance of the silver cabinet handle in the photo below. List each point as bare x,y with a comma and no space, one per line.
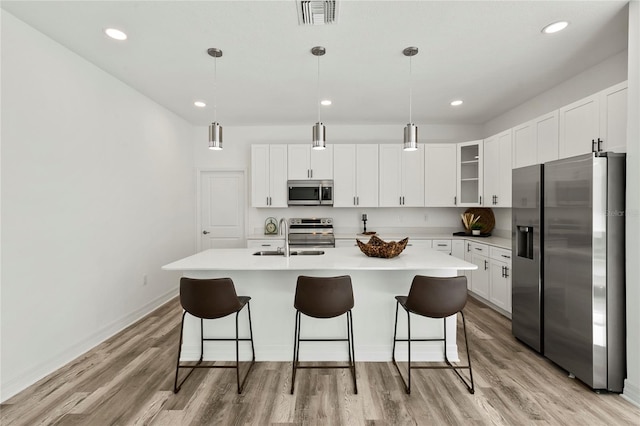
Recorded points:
468,246
357,201
311,172
506,272
442,245
486,265
481,199
478,248
504,255
354,201
455,200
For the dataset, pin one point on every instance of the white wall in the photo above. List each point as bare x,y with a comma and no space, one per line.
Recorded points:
97,192
605,74
632,384
237,154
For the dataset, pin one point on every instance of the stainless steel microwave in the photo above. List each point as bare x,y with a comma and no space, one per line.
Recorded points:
310,192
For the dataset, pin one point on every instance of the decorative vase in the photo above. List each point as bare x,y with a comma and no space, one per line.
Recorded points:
475,232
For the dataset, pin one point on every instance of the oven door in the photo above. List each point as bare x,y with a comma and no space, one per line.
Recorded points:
303,193
315,240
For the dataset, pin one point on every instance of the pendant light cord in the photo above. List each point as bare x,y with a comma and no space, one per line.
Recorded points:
318,89
410,87
215,89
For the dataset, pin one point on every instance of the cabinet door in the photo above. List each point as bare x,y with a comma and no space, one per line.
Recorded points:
500,291
613,118
469,173
491,170
390,176
458,248
299,162
412,177
579,126
505,165
440,175
524,145
259,175
345,175
480,276
468,256
366,175
278,175
545,134
321,163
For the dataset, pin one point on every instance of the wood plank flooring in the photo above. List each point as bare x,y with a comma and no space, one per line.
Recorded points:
128,380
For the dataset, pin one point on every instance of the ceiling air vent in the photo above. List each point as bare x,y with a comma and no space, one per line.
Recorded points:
317,12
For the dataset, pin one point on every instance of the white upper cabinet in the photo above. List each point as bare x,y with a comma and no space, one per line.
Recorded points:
401,176
497,170
613,118
440,175
524,146
595,123
545,136
268,175
308,163
469,173
355,178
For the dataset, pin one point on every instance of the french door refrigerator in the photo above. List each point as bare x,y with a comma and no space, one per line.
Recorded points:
526,275
583,268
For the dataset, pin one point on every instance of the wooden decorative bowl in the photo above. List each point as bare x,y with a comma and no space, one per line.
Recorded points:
376,247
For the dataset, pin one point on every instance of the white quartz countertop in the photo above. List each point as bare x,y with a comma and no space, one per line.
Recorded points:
347,258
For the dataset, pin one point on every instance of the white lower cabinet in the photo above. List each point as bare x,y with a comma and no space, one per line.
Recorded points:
480,277
457,248
500,268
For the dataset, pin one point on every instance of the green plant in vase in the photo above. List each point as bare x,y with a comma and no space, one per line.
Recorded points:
476,228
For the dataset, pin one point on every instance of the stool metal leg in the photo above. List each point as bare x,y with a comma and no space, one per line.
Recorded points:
352,349
296,346
407,386
253,358
176,386
469,385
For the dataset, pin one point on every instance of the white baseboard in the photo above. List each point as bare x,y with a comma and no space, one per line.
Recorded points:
631,393
31,376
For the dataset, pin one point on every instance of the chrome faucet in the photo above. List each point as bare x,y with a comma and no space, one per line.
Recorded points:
283,226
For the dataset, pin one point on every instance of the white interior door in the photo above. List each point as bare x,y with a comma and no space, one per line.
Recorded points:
222,201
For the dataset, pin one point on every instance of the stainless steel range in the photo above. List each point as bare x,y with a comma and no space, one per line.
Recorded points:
311,232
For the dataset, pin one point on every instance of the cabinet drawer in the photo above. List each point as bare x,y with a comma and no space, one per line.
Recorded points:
442,245
481,249
500,254
264,244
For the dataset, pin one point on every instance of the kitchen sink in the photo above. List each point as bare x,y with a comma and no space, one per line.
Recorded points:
293,253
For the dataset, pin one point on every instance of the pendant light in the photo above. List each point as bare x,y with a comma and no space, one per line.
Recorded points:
410,131
318,133
215,129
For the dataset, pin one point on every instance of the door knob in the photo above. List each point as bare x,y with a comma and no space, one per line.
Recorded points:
206,232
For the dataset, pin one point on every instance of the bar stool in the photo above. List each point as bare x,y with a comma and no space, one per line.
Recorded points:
324,297
434,298
210,299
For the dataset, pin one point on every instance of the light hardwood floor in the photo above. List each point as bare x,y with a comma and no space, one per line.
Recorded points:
128,380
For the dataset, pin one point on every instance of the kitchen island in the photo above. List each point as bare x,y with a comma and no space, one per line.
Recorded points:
271,283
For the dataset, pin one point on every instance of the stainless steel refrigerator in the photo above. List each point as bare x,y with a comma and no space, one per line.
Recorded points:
526,276
583,268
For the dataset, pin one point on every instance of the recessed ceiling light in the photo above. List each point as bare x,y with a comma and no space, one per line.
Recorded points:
325,102
456,102
555,27
200,104
115,34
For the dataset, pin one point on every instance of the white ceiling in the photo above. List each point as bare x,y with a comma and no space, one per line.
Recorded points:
491,54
